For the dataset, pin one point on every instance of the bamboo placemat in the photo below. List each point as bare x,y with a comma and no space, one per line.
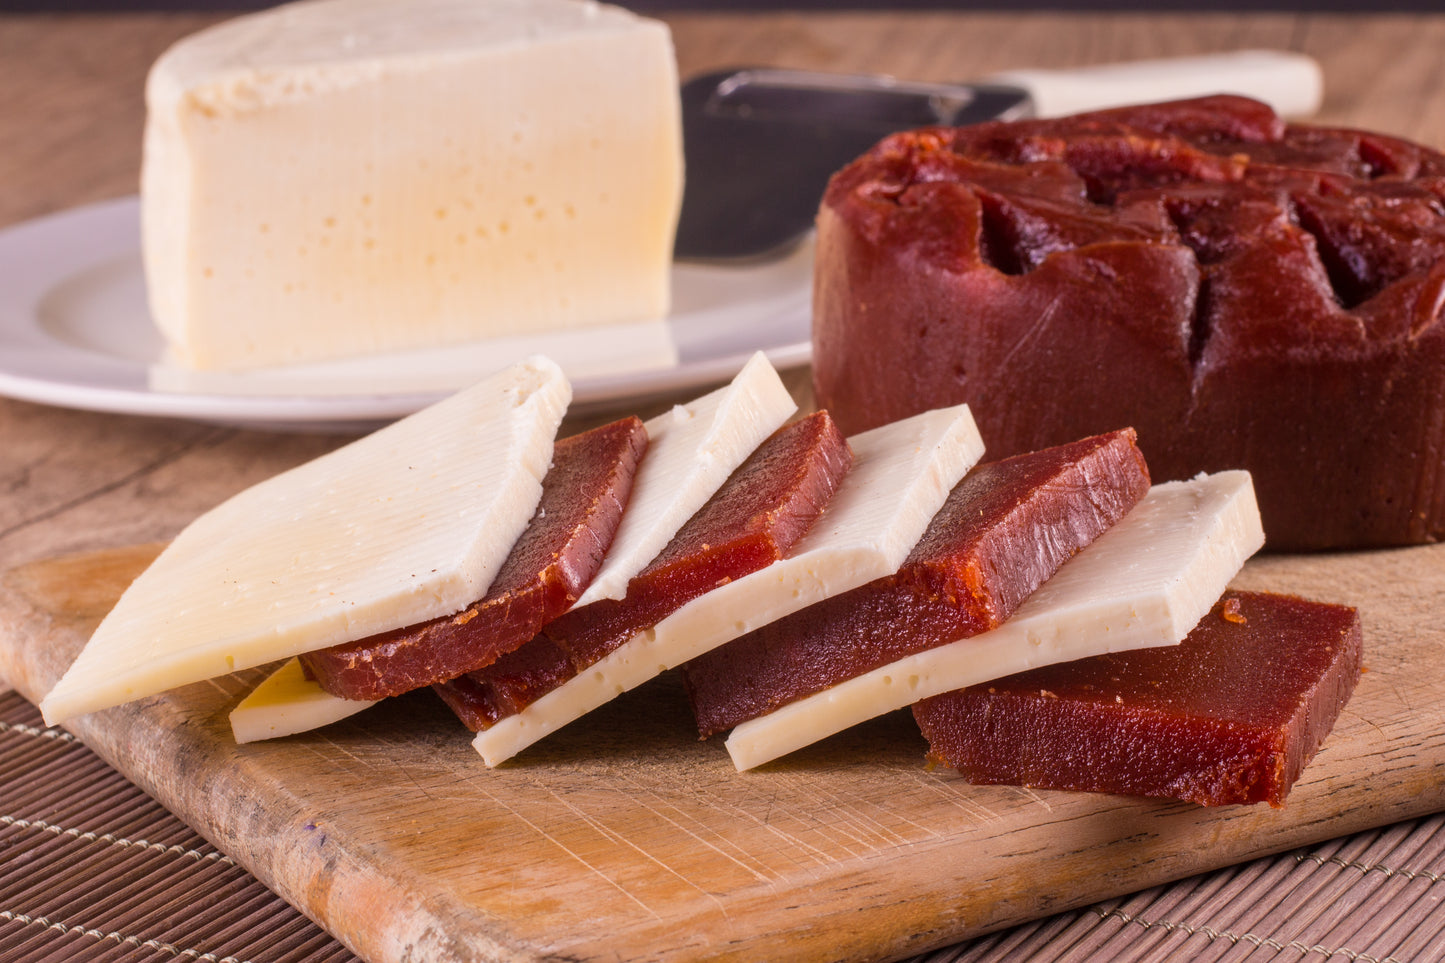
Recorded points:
94,871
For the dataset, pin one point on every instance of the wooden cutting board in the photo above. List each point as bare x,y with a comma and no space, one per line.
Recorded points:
624,838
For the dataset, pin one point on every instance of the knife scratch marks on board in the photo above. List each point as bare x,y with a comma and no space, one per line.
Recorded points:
1402,696
638,789
340,749
955,792
619,839
845,815
544,834
411,777
835,820
929,831
789,842
871,812
1032,796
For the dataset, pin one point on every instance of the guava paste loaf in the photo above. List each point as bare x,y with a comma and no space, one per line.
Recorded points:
1246,293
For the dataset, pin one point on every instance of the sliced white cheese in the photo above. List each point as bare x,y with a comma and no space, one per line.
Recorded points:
900,477
341,177
406,524
1145,582
691,451
287,703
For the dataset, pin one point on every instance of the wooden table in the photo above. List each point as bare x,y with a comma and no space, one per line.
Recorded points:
70,134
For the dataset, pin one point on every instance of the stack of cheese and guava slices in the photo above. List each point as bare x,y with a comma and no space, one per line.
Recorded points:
804,582
733,522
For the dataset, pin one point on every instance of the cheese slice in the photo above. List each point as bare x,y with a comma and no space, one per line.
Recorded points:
344,177
691,451
901,475
1145,582
287,703
407,524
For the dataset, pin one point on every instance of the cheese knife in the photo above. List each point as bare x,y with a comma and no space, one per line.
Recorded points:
761,142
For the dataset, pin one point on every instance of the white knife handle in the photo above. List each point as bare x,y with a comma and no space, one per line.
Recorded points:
1290,83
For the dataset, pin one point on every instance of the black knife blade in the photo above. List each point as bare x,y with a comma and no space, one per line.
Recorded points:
761,143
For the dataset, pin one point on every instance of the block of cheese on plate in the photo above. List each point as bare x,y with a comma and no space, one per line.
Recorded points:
406,524
338,178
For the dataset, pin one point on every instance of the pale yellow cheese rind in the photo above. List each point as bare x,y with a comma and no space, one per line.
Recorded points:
406,524
286,703
344,177
1145,582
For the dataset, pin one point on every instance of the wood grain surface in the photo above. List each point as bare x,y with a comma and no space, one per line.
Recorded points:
623,837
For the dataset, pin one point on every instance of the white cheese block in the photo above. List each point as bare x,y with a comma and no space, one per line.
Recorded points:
691,450
342,177
407,524
1145,582
287,703
901,475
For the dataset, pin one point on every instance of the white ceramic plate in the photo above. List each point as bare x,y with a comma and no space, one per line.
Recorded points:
75,331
